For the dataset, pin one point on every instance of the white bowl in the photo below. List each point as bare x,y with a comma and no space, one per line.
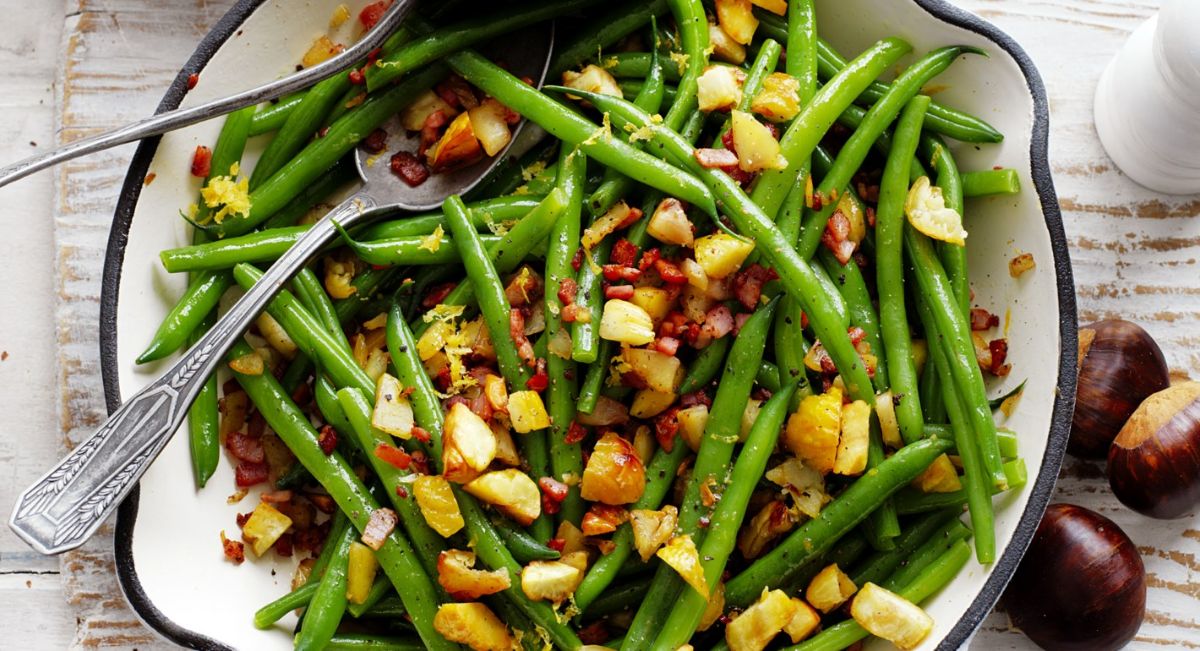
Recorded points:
168,555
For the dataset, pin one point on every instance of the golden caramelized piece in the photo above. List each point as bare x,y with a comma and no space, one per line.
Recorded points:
652,529
736,17
813,431
550,580
474,625
939,477
458,576
413,118
614,474
593,78
435,497
779,99
772,521
757,148
511,491
527,411
830,588
468,445
681,554
648,403
856,431
393,411
754,629
657,371
719,88
721,254
360,572
725,48
626,323
264,526
803,623
670,224
889,616
456,148
489,121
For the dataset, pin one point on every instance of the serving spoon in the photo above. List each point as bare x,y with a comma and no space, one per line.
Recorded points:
65,507
161,123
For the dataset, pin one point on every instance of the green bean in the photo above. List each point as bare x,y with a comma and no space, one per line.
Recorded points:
634,67
391,607
876,120
939,543
310,197
523,546
489,290
954,258
198,301
768,376
765,63
930,389
911,500
801,61
712,463
427,409
327,403
270,117
303,121
396,556
328,603
947,121
692,24
727,518
295,477
322,153
360,642
311,292
380,589
585,333
985,183
879,566
660,476
222,254
604,31
596,142
511,249
412,251
706,365
511,174
790,348
650,99
852,287
795,274
818,116
839,516
955,332
844,634
615,600
266,616
365,286
427,542
204,421
976,480
566,459
437,44
487,214
889,271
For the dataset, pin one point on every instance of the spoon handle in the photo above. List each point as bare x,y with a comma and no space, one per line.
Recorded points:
66,506
177,119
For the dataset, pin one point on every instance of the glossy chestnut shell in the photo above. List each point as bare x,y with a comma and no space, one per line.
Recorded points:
1154,463
1081,585
1119,366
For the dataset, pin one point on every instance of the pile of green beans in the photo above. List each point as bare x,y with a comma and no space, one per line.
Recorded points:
512,252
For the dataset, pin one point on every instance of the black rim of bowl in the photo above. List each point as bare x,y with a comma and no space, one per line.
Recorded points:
1060,425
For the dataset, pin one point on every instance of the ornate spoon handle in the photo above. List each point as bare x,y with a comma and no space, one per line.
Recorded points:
66,506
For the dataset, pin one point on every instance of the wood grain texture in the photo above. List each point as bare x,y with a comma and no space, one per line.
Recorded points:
1135,255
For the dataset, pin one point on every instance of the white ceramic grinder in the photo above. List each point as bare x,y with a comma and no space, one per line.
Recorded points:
1148,102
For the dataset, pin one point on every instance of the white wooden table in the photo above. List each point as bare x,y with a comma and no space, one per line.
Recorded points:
69,68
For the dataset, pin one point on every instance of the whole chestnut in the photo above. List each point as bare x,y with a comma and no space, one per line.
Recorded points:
1119,366
1154,463
1081,584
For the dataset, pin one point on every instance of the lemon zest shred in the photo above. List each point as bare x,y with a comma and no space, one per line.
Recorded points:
433,241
